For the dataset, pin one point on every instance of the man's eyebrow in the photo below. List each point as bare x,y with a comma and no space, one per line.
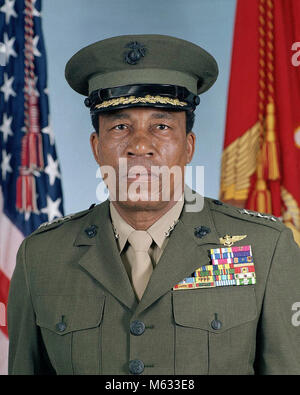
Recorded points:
162,115
117,115
123,115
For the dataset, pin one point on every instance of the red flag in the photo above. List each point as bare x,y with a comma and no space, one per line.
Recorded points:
261,157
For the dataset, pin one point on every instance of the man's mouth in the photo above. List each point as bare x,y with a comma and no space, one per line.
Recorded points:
141,176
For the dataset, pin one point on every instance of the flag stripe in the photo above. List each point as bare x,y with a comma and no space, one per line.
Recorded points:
11,238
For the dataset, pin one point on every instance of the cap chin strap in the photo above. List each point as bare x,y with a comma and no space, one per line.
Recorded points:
142,94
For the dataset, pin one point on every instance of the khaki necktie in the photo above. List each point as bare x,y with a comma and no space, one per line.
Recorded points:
141,266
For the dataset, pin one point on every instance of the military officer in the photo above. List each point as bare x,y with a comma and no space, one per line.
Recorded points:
137,286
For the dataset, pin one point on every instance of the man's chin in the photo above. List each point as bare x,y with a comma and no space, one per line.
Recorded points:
147,198
142,205
139,202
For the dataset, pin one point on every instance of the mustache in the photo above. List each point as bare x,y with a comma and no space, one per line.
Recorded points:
141,170
140,167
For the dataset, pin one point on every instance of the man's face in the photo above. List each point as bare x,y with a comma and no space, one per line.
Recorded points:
148,138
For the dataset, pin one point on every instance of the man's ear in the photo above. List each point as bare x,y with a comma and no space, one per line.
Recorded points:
190,145
94,141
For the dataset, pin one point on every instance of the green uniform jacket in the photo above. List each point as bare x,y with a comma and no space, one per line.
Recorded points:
71,304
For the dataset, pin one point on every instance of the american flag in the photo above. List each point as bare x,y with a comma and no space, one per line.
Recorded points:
30,180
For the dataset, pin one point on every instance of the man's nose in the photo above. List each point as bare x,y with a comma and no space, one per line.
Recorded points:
140,144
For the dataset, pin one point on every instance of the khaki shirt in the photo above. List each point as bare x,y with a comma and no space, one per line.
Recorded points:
157,231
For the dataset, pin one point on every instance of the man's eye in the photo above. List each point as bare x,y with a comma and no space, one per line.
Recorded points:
162,127
120,127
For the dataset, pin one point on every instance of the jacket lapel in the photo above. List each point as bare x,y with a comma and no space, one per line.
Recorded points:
101,258
184,253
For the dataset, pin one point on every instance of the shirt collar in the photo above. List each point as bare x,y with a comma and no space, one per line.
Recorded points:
157,230
122,228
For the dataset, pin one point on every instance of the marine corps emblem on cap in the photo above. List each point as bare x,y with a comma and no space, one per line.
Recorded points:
135,53
153,71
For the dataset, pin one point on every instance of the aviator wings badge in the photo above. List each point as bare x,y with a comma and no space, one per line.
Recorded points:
230,240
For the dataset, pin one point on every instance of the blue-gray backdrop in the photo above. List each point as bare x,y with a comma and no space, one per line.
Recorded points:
71,24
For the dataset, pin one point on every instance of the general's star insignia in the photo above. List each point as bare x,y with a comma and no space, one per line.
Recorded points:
230,240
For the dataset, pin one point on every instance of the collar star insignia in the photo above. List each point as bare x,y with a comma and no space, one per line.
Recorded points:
228,240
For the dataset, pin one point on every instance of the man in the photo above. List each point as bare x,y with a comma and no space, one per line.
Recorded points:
141,284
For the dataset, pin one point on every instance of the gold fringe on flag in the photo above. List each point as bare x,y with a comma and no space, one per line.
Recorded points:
239,161
291,213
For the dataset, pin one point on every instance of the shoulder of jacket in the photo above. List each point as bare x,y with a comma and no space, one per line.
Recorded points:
246,215
57,222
